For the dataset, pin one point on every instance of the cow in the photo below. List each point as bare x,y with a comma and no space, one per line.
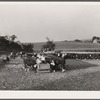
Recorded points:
6,59
12,55
22,54
52,66
30,62
59,63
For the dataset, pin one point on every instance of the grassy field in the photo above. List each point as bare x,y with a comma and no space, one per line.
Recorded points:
71,45
79,75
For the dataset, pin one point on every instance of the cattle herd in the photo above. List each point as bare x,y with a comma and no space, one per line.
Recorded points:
55,60
33,60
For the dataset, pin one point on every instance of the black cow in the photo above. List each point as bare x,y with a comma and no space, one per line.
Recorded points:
12,55
6,59
30,62
59,62
22,54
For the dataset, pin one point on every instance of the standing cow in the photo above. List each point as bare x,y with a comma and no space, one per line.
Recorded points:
59,63
12,55
30,62
6,59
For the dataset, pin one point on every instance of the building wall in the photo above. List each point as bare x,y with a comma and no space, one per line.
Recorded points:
95,41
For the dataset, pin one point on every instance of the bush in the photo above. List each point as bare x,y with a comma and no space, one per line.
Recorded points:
77,40
49,46
11,46
28,47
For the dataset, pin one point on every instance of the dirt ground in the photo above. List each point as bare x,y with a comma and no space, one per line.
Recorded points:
79,75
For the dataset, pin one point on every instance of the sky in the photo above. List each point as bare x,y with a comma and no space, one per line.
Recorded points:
34,21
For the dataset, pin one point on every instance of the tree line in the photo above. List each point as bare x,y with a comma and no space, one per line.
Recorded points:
8,43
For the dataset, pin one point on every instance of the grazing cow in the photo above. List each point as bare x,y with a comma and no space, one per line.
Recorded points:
52,66
35,54
38,61
12,55
17,54
59,55
42,58
59,62
6,59
22,54
30,62
51,62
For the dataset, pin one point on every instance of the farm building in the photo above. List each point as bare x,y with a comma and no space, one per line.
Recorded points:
96,39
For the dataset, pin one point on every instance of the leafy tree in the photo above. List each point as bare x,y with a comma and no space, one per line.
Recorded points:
13,37
65,40
49,46
6,37
7,45
28,47
19,43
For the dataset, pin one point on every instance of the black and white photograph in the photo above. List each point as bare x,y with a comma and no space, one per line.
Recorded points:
50,46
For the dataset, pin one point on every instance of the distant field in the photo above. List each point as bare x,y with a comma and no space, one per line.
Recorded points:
70,45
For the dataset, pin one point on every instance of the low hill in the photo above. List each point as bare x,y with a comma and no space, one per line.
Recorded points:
71,45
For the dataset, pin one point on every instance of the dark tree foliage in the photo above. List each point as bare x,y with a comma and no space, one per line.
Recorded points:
49,46
28,47
65,40
9,45
77,40
13,37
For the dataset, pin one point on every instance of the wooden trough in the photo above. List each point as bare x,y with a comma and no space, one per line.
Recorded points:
44,68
